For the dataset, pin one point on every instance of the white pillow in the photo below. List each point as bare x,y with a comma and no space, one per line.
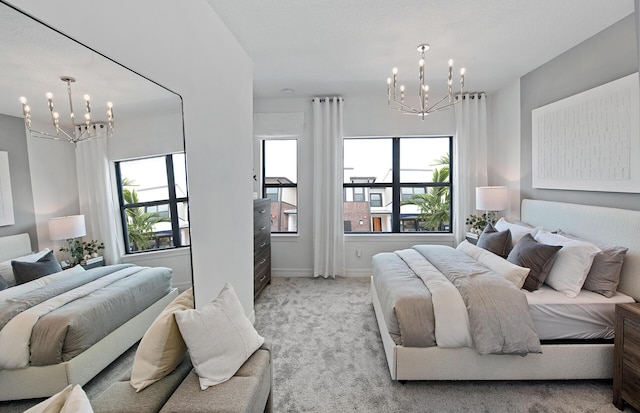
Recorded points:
72,399
13,292
220,338
6,271
572,263
517,230
514,273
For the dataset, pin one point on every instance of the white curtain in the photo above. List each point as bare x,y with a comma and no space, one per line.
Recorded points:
470,156
96,200
328,226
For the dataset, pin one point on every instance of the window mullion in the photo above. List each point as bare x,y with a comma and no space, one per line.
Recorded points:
173,206
395,215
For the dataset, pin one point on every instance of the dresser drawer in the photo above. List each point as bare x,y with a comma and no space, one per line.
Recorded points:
261,244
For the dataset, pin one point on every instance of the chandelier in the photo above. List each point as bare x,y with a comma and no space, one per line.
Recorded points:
426,105
86,130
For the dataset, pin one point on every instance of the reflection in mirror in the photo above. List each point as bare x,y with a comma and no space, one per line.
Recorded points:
54,178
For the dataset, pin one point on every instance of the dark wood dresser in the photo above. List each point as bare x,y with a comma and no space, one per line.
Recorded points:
626,370
261,245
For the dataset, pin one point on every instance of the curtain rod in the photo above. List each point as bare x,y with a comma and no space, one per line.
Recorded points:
330,99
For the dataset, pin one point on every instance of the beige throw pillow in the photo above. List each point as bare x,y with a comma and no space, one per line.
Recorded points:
508,270
219,336
162,348
72,399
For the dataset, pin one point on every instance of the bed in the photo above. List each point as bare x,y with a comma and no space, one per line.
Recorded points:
80,353
558,359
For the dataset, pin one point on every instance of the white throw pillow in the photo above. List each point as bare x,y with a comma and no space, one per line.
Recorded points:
6,270
517,230
72,399
572,263
220,338
514,273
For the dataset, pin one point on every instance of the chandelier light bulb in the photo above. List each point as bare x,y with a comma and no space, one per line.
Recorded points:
463,71
87,97
56,115
421,62
109,105
27,109
49,95
401,88
450,62
388,81
23,100
394,70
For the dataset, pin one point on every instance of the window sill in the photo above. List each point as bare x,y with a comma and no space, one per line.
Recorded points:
139,256
391,237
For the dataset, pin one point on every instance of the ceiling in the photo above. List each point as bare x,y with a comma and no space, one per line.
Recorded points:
348,47
34,57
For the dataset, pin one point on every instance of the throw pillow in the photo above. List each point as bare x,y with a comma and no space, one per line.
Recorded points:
510,271
29,271
3,284
539,258
518,229
498,242
572,263
6,269
72,399
220,338
162,348
604,275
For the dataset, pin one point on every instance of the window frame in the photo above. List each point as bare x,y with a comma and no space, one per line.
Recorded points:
280,185
172,201
396,186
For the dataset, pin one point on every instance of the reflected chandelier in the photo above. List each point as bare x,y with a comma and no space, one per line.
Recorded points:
85,131
425,106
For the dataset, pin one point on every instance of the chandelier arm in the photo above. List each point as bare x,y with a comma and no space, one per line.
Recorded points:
435,105
405,107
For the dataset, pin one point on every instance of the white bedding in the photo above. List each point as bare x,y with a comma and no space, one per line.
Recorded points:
587,316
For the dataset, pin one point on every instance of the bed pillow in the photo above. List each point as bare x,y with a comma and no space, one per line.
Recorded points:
529,253
508,270
518,229
498,242
572,264
6,270
604,276
220,338
3,284
29,271
162,348
72,399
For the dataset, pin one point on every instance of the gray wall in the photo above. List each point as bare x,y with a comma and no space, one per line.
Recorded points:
607,56
14,141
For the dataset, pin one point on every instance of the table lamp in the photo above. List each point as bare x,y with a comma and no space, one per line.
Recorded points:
67,228
492,199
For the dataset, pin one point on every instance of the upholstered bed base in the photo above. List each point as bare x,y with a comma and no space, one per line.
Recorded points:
44,381
609,226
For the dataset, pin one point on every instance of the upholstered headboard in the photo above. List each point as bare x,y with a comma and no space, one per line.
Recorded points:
606,226
14,246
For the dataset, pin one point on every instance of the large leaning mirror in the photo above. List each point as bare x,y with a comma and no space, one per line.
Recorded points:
55,178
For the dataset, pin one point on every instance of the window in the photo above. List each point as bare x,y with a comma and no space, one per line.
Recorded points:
375,200
410,174
154,205
279,182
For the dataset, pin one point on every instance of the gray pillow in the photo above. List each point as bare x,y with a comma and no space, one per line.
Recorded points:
29,271
3,284
539,258
604,275
498,242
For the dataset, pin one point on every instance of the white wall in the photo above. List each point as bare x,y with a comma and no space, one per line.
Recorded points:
292,255
185,47
503,143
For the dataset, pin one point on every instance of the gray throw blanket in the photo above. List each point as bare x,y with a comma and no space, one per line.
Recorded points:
498,312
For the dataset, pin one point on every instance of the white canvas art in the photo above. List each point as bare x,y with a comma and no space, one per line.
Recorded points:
589,141
6,199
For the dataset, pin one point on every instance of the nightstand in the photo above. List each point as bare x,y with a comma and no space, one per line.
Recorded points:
626,368
471,237
93,263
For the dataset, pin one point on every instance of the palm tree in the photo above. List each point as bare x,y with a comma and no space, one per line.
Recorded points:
139,222
435,203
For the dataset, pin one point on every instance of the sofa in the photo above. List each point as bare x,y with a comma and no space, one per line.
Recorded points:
249,390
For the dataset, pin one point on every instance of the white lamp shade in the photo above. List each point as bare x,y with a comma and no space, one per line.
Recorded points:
492,198
67,227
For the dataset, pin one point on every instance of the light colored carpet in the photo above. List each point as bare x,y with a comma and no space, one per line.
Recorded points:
328,357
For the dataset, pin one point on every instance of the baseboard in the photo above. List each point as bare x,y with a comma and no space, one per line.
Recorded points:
308,272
